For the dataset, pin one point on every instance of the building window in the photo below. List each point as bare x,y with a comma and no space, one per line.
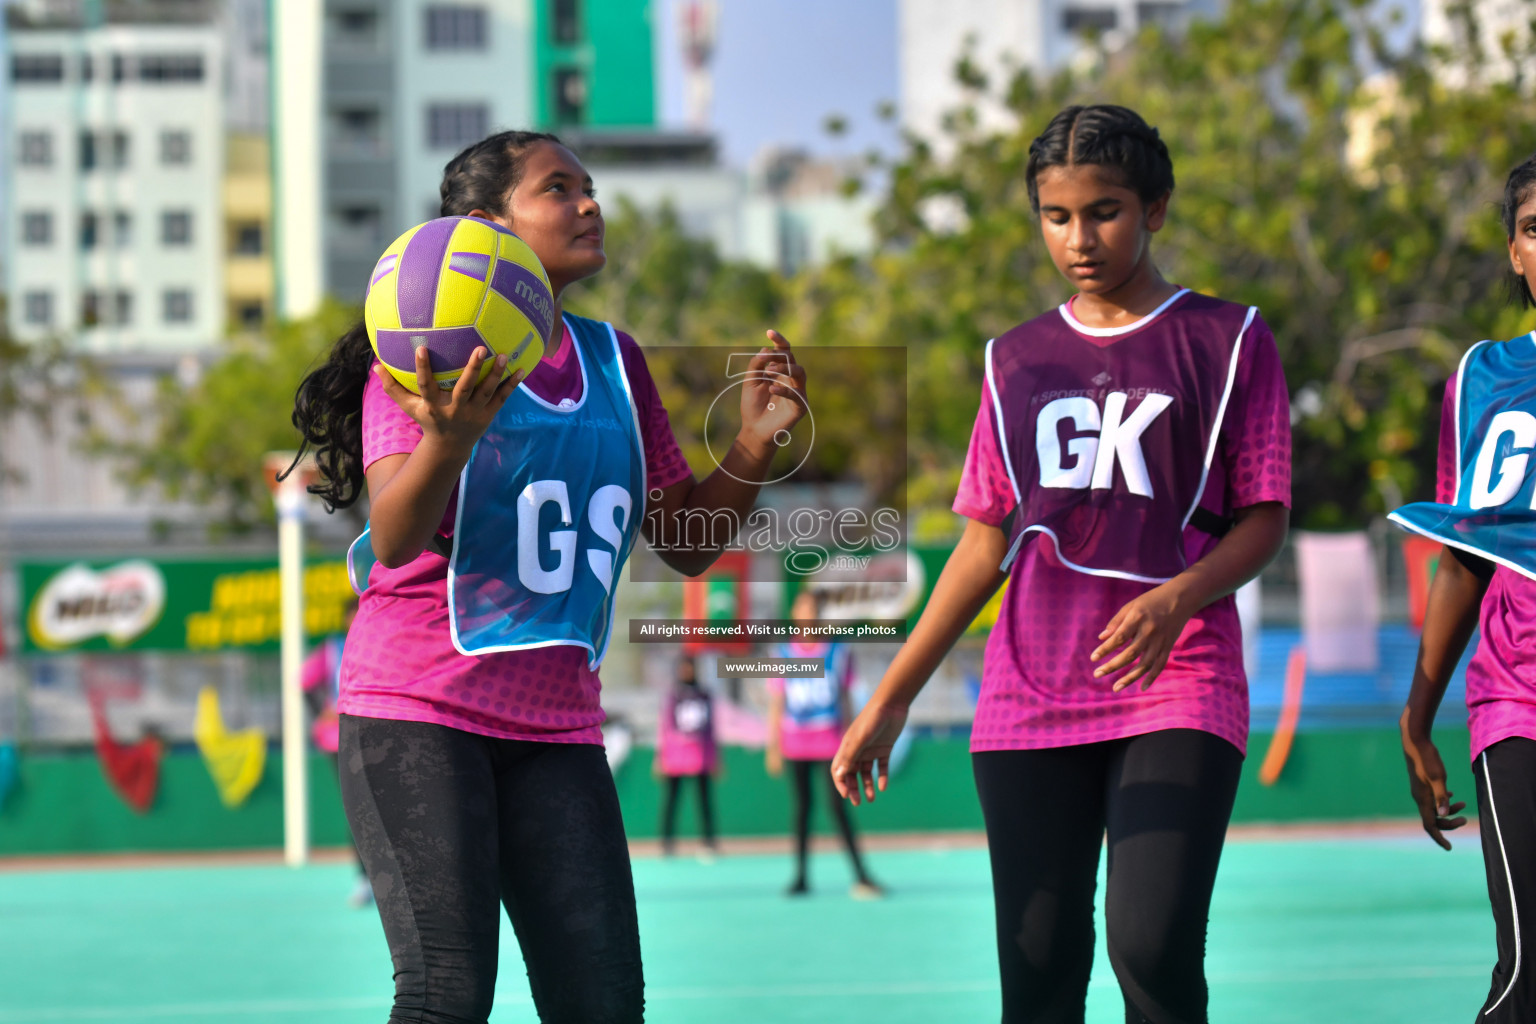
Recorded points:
119,68
37,228
247,240
570,96
100,307
176,227
37,68
90,231
1158,13
175,147
176,306
37,308
358,131
455,27
361,225
1089,19
122,229
103,149
250,315
170,67
87,67
456,125
356,28
36,149
565,21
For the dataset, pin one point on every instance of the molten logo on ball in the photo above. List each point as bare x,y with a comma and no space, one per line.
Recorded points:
451,285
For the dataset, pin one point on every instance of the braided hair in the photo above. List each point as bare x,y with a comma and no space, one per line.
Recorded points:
1107,136
328,408
1518,187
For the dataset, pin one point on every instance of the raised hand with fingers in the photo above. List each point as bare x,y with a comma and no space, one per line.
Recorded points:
773,397
460,415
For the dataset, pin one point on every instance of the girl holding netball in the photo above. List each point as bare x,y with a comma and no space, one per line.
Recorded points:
474,782
1487,580
1129,469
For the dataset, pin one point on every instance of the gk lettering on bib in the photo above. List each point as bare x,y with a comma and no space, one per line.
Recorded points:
1108,442
1494,512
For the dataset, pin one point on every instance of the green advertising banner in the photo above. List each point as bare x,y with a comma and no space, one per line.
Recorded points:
139,604
859,600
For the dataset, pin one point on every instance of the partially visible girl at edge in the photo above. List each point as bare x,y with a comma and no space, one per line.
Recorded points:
478,781
1129,469
1499,598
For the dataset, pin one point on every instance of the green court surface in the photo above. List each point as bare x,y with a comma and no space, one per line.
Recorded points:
1357,930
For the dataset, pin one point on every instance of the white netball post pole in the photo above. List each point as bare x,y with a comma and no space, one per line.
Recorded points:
290,498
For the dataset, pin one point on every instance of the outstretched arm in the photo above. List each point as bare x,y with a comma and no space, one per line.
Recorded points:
969,579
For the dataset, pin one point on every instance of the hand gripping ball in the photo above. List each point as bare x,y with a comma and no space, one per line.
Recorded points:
452,285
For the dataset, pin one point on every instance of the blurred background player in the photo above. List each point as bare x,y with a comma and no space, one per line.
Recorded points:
321,681
1129,469
806,716
685,749
1496,379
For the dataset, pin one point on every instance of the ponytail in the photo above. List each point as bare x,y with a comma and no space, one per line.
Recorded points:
328,410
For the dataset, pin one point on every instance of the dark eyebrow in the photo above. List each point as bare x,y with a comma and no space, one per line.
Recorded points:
1105,201
1526,221
554,176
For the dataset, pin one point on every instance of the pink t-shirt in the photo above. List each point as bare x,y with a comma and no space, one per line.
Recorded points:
1037,685
1501,677
399,661
685,733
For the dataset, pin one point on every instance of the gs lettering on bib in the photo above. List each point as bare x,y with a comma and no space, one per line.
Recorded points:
550,506
1108,440
1494,512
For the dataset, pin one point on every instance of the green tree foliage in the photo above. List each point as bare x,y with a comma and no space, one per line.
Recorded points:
37,380
1348,191
205,443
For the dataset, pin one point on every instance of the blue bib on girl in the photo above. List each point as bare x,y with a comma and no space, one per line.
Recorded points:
811,702
1494,514
550,505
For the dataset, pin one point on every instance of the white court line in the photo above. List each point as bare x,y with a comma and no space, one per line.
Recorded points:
171,1010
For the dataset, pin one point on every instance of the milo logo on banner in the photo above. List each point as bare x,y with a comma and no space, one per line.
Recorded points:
120,603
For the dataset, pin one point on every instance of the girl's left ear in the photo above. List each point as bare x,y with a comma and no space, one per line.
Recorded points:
1514,260
1157,211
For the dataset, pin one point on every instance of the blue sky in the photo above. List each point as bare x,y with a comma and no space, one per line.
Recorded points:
781,66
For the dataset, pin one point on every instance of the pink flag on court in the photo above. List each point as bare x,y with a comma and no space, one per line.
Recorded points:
1340,601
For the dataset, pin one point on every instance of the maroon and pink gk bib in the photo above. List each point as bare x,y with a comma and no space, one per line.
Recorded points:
1108,440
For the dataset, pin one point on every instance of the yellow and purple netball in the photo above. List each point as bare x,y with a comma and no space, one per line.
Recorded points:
451,285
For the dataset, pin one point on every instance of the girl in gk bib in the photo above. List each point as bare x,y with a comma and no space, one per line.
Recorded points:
1129,469
472,764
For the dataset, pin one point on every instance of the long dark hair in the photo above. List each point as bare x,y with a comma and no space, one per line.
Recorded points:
1107,136
1518,187
328,407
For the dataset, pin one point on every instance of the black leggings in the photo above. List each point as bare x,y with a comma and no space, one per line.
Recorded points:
1164,799
451,826
1506,817
669,808
800,774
